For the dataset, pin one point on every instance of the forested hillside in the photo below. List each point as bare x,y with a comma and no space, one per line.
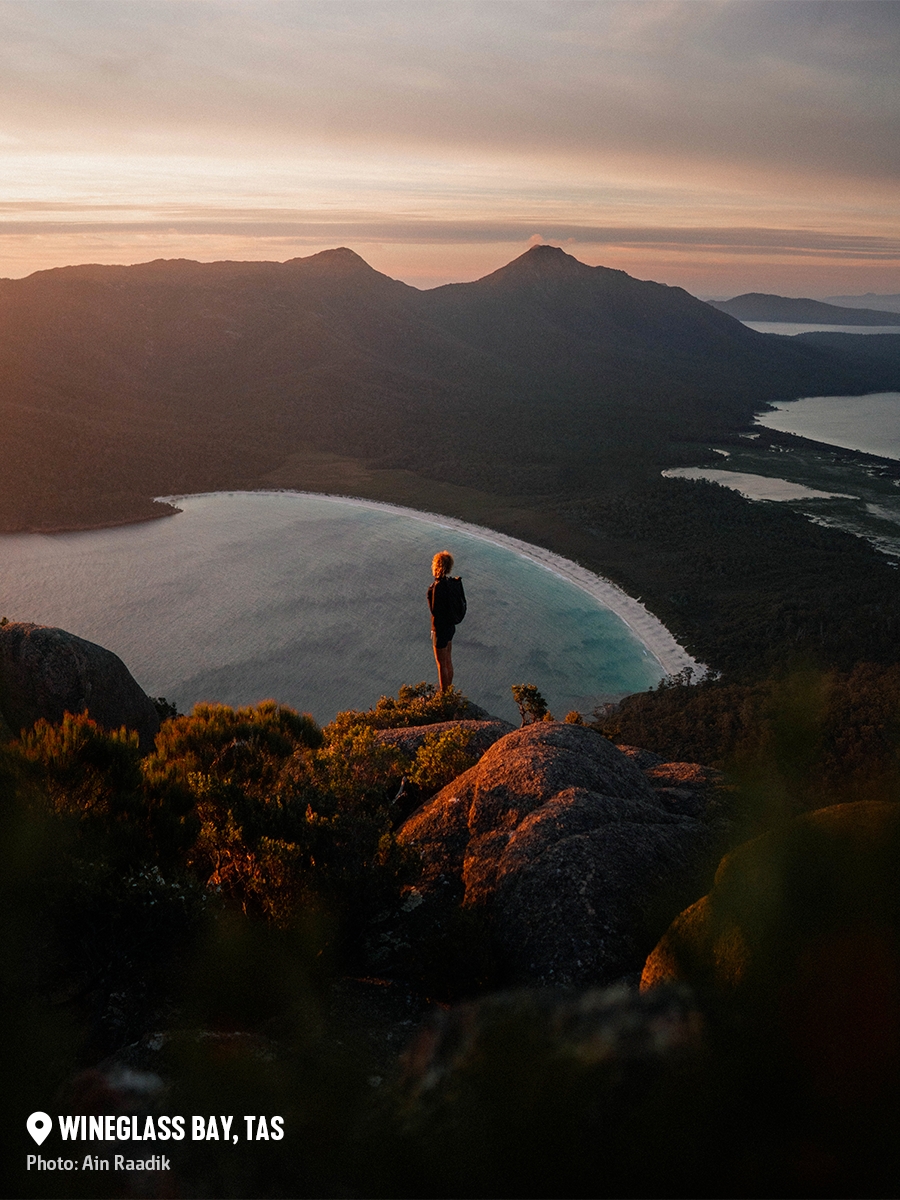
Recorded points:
542,400
121,383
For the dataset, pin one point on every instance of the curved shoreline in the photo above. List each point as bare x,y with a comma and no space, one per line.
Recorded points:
647,628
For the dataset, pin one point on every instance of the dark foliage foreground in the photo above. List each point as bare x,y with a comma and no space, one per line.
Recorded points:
185,918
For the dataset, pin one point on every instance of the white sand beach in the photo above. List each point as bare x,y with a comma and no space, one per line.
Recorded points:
650,631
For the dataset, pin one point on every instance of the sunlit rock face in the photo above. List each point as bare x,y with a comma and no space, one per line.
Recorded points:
46,672
573,857
799,941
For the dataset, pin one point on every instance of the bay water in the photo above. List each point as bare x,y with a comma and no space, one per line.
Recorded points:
318,603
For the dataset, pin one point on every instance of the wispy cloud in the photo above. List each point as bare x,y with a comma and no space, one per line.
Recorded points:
361,228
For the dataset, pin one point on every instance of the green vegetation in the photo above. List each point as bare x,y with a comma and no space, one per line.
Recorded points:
748,588
798,740
164,708
441,758
253,812
97,781
210,896
415,704
213,889
542,401
531,704
543,380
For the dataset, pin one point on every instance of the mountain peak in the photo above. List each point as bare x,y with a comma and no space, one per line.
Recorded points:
340,262
543,264
546,260
546,253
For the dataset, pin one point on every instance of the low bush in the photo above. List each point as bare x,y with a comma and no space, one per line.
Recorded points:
415,704
441,758
96,777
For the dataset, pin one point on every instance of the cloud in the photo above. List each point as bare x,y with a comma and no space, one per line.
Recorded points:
795,88
336,227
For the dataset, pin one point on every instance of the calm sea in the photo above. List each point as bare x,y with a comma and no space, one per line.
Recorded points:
792,328
317,603
868,423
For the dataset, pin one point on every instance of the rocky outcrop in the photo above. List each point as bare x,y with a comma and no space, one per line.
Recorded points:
682,787
46,672
551,1093
799,939
598,1027
563,845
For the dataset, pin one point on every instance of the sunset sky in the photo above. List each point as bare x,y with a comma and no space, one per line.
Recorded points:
722,145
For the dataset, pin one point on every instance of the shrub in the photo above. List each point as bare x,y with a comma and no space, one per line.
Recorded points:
97,777
241,741
441,758
416,704
290,819
86,769
531,704
356,767
165,709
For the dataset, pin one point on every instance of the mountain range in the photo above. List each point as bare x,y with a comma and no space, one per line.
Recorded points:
118,384
759,306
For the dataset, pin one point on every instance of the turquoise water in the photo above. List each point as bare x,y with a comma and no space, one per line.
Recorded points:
317,603
869,423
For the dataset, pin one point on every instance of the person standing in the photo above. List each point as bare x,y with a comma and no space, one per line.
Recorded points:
447,604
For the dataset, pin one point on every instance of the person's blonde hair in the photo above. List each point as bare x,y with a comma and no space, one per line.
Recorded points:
442,563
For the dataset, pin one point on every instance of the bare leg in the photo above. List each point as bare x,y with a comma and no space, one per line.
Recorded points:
444,666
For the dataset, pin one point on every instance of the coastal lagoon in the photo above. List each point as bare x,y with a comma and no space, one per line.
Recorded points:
319,603
754,487
856,496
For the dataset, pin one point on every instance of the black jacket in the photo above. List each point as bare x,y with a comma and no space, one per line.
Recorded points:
442,602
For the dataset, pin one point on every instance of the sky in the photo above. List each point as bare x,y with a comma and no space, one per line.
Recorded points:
723,146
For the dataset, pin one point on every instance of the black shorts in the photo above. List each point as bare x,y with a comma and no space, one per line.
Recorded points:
443,636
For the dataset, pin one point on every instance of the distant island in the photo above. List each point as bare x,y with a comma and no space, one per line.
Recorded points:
884,303
757,306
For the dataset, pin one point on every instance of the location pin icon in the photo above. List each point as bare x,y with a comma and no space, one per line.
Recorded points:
39,1125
